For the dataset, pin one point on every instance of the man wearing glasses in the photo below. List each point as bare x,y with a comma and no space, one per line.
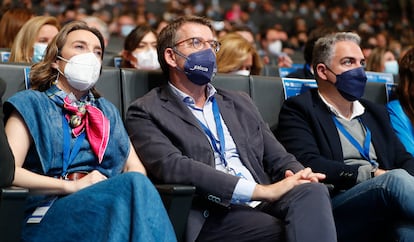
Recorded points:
248,188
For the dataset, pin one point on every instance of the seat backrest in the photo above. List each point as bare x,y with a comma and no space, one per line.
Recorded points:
109,85
13,75
376,92
267,93
136,83
270,70
232,82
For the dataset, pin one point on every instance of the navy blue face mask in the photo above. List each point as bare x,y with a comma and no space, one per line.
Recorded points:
351,84
199,67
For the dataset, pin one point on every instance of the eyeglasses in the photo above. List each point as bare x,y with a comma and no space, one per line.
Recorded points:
200,44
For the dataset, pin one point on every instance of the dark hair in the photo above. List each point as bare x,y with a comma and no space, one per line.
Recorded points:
314,35
42,74
168,36
405,88
133,40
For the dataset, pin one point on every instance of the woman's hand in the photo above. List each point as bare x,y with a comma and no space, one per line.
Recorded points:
86,181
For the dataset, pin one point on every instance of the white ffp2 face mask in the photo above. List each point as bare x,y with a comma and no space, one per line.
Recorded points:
275,48
82,71
147,60
241,72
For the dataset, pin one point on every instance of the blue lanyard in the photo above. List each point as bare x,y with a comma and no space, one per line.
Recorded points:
69,156
364,151
219,148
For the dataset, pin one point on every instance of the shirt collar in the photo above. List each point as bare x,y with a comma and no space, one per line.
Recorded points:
357,108
187,98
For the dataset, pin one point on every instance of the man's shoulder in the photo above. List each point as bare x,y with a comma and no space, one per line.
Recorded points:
304,99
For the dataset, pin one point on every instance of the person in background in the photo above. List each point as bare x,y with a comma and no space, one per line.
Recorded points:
334,131
246,33
119,28
140,49
73,153
401,110
31,42
248,188
271,48
10,24
306,72
382,60
237,56
99,24
7,159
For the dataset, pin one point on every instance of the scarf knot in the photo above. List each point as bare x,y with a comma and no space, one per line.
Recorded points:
82,116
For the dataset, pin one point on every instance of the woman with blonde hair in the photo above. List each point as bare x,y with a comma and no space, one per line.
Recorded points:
237,56
30,43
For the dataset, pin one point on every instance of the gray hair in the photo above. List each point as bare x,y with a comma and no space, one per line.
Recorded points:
98,24
324,46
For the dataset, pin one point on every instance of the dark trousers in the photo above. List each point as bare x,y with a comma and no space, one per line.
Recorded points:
302,214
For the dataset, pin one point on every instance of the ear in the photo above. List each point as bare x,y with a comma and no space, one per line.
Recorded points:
321,71
55,65
170,57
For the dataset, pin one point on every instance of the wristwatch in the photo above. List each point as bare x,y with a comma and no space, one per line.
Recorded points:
373,170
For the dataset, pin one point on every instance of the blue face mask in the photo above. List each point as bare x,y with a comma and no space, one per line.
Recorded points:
200,67
351,84
39,50
391,67
126,29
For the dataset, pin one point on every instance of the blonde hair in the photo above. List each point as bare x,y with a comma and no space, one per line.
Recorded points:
234,51
22,48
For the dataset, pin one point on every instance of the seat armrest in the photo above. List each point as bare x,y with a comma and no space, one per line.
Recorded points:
177,200
12,204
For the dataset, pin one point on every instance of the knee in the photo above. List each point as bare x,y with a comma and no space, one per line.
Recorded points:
314,191
397,175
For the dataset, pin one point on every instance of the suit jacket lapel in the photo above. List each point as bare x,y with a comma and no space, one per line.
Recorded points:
330,132
177,107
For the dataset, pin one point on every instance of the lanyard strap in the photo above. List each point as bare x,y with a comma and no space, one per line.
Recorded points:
219,148
364,151
68,155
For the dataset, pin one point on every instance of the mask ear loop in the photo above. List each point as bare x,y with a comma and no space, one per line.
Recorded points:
182,56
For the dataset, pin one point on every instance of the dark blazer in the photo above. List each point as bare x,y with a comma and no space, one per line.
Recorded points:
174,148
7,159
307,130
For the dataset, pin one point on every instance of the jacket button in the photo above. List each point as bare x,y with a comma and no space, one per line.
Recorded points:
206,213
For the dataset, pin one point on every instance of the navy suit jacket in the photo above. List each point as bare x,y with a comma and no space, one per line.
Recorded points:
307,130
175,149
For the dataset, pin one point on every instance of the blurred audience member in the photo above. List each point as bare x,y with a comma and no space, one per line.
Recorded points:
31,42
246,33
271,43
237,56
401,110
368,43
382,60
140,49
100,25
124,24
306,72
10,24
